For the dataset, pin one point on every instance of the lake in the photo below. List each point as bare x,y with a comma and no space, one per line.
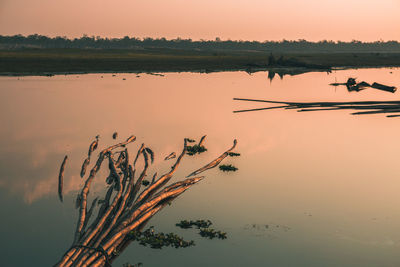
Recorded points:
312,189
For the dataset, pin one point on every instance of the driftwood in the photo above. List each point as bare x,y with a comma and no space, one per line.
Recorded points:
383,87
361,107
126,206
352,85
86,162
202,139
170,156
61,178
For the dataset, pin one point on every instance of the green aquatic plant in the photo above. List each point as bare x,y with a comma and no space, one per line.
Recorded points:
228,168
159,240
185,224
211,233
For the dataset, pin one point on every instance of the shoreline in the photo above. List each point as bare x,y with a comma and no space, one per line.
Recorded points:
283,71
50,62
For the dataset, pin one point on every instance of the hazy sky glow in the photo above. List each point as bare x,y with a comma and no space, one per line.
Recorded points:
261,20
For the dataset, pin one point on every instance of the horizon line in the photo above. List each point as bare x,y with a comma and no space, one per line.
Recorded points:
216,39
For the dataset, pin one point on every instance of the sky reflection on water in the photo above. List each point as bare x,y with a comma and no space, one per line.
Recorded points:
330,179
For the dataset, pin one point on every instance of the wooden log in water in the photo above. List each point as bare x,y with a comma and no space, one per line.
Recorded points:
383,87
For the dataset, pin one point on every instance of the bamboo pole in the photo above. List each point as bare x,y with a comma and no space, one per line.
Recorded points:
369,107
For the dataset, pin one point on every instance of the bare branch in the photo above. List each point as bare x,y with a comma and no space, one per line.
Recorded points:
215,162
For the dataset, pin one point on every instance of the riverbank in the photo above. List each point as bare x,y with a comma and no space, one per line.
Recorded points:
22,62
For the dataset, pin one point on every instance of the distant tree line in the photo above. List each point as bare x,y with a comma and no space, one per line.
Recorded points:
96,42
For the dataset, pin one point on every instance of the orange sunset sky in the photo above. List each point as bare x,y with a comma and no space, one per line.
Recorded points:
366,20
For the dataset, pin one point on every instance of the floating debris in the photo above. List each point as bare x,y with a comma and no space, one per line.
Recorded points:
154,178
202,139
159,240
145,182
190,140
170,156
61,178
228,168
84,166
148,150
383,87
363,84
93,146
351,81
352,85
233,154
266,228
115,135
155,74
185,224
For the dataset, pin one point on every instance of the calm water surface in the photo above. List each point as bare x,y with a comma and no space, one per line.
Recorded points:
326,183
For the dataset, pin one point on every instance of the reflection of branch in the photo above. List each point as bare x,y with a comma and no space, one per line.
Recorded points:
125,207
362,107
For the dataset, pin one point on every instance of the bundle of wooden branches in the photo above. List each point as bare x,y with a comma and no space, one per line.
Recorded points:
361,107
126,206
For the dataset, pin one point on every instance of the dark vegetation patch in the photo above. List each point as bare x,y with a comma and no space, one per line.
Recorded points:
233,154
185,224
160,240
195,149
228,168
211,233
